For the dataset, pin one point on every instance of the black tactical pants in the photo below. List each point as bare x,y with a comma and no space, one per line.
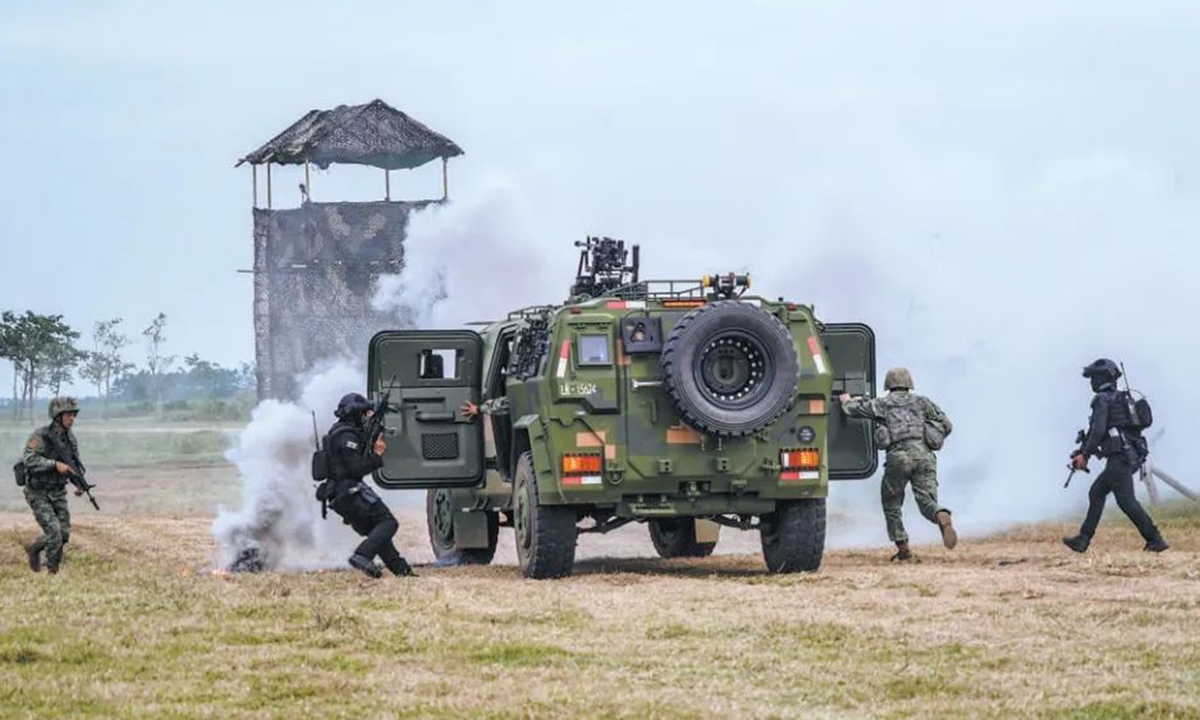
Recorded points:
375,522
1117,478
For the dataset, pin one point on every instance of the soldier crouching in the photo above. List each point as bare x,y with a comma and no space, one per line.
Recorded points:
910,428
51,454
351,498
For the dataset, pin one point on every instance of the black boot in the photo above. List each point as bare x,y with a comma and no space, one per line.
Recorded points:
35,555
400,568
1156,544
903,554
368,566
1079,543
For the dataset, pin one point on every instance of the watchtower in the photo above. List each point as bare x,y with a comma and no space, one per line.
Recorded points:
316,265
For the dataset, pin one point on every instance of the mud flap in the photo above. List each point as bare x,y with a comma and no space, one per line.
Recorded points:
470,530
707,531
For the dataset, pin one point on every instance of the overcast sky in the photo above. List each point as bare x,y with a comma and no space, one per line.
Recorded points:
1004,190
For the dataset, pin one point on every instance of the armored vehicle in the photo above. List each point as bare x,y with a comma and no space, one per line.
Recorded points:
686,405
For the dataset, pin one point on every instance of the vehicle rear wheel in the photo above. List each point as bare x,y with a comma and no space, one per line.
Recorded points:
793,537
545,534
439,518
730,368
676,537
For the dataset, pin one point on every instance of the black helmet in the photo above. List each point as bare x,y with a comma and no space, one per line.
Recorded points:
1102,372
351,407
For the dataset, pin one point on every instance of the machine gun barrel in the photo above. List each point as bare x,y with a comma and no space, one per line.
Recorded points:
375,426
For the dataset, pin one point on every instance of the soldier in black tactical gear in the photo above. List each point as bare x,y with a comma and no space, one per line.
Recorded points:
1112,434
347,495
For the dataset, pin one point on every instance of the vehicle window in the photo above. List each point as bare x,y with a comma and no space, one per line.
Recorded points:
593,350
438,364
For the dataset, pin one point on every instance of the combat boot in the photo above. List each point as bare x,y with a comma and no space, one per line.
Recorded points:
35,555
369,568
401,568
903,554
1156,545
949,535
1079,543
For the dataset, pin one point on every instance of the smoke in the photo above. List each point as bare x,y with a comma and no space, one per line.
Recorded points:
464,261
279,525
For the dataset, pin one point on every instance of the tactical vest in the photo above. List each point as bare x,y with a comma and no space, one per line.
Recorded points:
903,419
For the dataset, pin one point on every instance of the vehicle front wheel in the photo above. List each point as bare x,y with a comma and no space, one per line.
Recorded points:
676,537
439,518
793,537
545,534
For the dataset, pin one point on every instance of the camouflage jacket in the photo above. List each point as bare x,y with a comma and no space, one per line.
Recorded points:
39,457
880,410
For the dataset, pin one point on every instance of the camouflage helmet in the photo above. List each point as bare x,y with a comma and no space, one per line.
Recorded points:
63,404
898,378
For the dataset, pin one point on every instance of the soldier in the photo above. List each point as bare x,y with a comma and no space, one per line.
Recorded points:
1111,435
51,453
347,494
910,428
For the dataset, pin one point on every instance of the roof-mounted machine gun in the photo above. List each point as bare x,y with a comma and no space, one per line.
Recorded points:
603,266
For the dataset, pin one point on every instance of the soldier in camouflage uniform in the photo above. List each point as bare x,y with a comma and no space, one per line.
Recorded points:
46,481
910,428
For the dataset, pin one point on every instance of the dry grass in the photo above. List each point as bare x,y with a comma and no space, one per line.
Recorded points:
1014,626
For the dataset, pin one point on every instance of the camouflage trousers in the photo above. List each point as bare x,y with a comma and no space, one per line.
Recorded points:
904,466
52,513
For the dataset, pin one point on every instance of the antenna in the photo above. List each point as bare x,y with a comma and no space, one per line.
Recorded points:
316,436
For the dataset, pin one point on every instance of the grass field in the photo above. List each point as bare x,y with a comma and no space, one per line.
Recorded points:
136,625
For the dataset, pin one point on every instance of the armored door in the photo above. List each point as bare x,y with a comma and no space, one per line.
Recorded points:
851,350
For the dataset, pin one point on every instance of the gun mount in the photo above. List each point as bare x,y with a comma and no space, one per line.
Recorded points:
603,266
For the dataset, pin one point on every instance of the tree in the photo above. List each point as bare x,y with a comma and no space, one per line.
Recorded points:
156,362
42,351
105,364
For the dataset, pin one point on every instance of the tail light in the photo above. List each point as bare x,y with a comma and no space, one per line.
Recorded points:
582,464
800,459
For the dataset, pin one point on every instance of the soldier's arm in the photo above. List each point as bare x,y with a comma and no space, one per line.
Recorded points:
496,406
860,408
1097,426
35,455
347,452
935,414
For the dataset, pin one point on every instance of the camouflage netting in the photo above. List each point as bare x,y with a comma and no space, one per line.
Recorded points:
315,272
372,134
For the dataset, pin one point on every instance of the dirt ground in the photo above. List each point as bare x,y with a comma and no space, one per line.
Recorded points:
136,625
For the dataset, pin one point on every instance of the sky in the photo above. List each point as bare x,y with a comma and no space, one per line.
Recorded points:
1004,191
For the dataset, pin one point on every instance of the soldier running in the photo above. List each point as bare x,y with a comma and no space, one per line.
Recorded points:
910,428
51,454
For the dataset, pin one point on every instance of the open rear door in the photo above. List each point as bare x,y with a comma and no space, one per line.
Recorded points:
431,373
851,350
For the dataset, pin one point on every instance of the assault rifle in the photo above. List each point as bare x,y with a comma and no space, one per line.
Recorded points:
60,453
83,487
1080,439
374,426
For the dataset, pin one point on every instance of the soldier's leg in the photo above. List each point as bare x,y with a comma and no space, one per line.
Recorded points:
1097,495
62,509
925,487
895,477
51,539
1122,490
383,527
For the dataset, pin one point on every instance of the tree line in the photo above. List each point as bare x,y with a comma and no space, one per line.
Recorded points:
46,353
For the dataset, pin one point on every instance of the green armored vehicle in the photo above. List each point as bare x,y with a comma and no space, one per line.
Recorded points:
686,405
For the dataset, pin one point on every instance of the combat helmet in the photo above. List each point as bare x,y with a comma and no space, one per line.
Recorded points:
63,404
1102,372
351,407
898,378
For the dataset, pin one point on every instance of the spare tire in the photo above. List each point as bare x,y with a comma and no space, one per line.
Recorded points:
730,367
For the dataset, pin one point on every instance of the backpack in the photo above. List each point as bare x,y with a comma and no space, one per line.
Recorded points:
1141,415
320,462
19,473
903,419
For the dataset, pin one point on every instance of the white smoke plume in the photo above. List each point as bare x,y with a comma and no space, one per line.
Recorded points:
279,525
466,261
